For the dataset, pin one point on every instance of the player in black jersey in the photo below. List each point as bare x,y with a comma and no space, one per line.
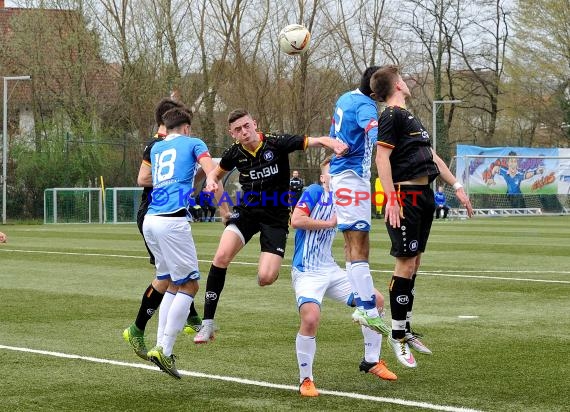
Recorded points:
262,161
153,295
406,165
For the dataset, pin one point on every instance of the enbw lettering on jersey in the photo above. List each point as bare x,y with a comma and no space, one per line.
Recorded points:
265,172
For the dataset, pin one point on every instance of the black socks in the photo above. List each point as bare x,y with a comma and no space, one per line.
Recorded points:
150,302
214,287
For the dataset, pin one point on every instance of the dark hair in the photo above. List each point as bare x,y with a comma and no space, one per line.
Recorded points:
162,107
176,117
365,80
512,153
237,114
382,82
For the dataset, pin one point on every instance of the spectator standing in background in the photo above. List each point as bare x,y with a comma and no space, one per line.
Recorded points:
295,188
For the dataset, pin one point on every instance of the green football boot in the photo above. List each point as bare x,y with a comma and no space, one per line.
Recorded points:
135,337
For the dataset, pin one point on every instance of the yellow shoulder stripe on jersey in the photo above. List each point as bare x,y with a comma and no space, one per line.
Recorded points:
146,163
306,142
384,144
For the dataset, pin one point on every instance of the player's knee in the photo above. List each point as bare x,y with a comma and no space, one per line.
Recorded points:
190,288
310,318
160,285
222,259
266,278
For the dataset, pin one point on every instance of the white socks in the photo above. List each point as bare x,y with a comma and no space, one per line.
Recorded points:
364,285
163,315
177,315
306,348
372,345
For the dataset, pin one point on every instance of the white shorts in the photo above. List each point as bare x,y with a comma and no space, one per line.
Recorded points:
313,286
352,201
170,241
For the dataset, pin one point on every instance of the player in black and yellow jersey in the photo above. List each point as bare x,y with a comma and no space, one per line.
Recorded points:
407,164
262,161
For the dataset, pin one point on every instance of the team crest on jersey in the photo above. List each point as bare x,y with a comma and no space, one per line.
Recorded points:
268,155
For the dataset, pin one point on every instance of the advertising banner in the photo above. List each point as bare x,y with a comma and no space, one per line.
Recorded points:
514,170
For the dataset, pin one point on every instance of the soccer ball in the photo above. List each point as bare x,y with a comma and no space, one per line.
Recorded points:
294,39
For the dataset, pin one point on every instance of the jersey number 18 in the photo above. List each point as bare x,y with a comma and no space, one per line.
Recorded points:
163,166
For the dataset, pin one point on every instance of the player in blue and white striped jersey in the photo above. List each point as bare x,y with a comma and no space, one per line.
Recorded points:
313,247
315,274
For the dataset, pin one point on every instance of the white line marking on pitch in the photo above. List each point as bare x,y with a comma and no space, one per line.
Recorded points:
493,277
468,317
424,405
428,273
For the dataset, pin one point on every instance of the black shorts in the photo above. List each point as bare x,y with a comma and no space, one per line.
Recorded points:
141,213
411,237
271,223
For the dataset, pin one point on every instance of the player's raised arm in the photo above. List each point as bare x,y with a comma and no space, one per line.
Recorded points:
210,168
338,146
213,178
300,219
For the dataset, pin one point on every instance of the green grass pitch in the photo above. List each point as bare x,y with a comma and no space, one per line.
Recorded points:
72,289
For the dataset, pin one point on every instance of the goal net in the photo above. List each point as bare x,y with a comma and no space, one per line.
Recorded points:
122,204
91,205
73,205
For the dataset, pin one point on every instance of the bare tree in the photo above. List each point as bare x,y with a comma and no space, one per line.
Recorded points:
431,27
361,32
539,71
481,44
138,67
62,55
